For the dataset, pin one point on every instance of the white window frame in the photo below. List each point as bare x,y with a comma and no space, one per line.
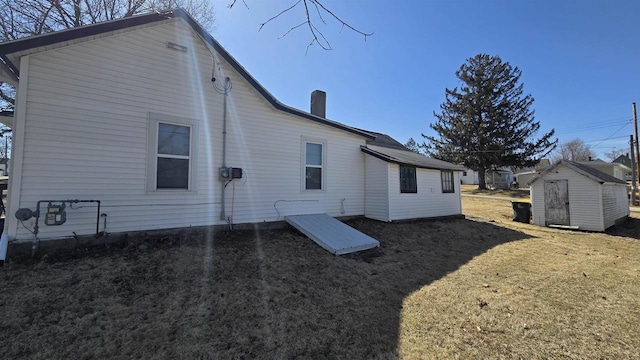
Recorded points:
152,152
303,171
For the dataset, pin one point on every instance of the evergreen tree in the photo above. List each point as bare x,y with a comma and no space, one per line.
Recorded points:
413,146
488,123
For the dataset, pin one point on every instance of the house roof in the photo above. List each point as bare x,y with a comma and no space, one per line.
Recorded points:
386,148
623,159
385,140
11,51
407,157
591,173
602,164
543,163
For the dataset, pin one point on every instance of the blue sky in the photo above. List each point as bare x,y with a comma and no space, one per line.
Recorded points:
580,59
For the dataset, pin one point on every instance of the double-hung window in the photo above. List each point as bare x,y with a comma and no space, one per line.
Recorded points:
408,181
314,164
447,181
171,153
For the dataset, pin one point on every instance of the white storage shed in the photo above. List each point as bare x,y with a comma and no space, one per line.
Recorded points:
576,196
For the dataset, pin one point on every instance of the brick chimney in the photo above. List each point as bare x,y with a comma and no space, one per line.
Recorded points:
319,103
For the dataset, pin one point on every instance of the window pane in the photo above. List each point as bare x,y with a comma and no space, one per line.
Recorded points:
173,173
173,139
314,179
447,181
314,154
408,181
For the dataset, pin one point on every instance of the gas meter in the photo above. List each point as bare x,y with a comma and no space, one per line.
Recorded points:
56,215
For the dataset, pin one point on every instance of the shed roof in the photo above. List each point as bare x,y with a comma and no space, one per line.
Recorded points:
589,172
11,51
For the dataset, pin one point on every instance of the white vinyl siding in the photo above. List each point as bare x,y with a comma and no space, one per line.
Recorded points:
429,201
615,203
376,189
86,126
590,203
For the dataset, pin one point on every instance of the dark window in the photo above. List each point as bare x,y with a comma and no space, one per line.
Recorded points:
447,181
174,150
408,183
313,166
464,173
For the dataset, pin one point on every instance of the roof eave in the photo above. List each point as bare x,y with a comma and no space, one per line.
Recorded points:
100,28
393,160
572,167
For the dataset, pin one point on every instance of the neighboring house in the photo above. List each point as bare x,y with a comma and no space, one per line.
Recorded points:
469,177
577,196
6,117
126,113
4,166
617,170
525,175
499,179
626,161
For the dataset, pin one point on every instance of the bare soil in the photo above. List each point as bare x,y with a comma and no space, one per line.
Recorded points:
484,287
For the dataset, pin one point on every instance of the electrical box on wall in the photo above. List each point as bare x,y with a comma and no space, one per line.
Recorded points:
229,173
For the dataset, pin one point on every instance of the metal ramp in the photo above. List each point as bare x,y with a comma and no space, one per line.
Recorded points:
332,235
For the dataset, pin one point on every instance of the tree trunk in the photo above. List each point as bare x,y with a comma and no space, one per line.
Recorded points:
482,183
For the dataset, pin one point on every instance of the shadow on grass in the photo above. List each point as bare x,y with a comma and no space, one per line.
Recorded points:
268,295
630,228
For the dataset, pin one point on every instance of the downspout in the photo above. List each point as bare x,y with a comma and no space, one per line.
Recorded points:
223,215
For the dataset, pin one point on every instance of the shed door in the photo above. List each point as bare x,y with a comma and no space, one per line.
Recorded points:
556,202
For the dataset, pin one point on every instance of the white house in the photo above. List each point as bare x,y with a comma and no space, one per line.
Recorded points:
577,196
469,177
525,175
617,170
148,123
499,178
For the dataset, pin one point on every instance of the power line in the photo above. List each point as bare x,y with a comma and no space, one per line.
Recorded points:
602,140
615,132
594,126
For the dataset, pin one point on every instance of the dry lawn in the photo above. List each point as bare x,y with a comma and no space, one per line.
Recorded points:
480,288
514,193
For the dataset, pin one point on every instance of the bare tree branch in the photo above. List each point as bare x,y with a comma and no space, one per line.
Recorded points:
234,2
319,13
341,21
281,12
291,29
316,34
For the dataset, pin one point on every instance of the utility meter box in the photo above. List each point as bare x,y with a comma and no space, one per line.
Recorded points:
236,173
229,173
56,215
225,173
